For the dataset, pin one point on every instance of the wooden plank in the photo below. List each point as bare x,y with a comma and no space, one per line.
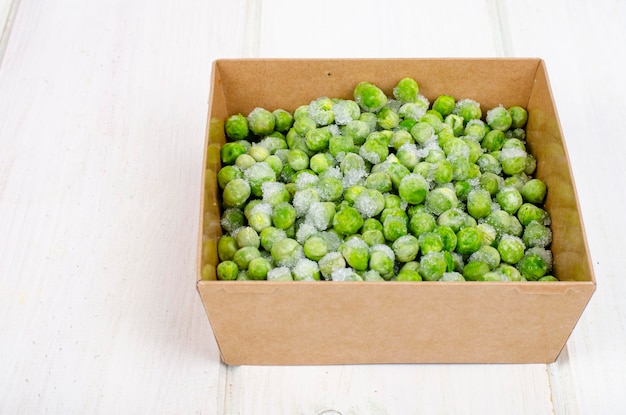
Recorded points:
580,43
103,118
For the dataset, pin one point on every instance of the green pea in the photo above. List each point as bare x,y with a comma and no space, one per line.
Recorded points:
413,189
406,90
532,266
488,255
230,151
493,140
408,275
511,249
236,193
286,251
444,104
227,270
479,203
469,240
382,260
236,127
536,235
423,132
388,119
356,253
244,255
261,122
474,270
468,109
347,221
441,199
430,242
432,266
529,212
519,116
534,191
232,219
306,270
373,237
226,247
509,199
321,111
369,97
499,118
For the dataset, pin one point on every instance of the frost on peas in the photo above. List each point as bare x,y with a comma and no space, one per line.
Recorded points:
405,248
382,260
456,123
452,276
320,215
286,252
257,174
283,215
412,111
499,118
345,274
423,132
430,242
394,227
375,150
444,104
413,189
321,111
469,240
379,181
433,266
236,193
305,270
369,97
279,274
479,203
261,122
513,160
406,90
536,235
511,249
232,219
488,255
270,235
509,199
468,109
226,174
331,262
356,253
441,199
388,119
275,193
316,247
260,217
346,110
476,129
369,203
318,139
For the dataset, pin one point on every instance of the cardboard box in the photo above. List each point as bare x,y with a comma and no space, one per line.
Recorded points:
302,323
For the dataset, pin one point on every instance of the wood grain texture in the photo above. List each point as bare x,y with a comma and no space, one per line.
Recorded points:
103,112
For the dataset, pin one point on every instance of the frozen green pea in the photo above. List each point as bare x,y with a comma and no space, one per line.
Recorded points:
306,270
405,248
356,253
352,192
479,203
532,266
388,119
275,193
369,203
441,171
488,163
230,151
317,139
394,227
513,160
352,161
435,155
454,218
475,129
491,182
448,237
413,189
408,275
258,152
474,270
375,149
531,164
261,122
509,199
452,276
397,172
534,191
301,127
500,221
379,181
411,265
236,127
487,254
358,130
283,215
432,266
226,247
408,155
268,236
373,237
244,161
346,110
423,132
286,251
519,116
394,211
382,260
228,173
511,249
244,255
283,120
340,145
330,263
517,181
509,272
493,140
400,138
393,201
498,118
372,224
456,123
423,169
462,189
257,174
298,159
548,278
316,247
301,111
321,111
468,109
247,236
275,164
412,111
441,199
258,268
536,234
236,193
227,270
372,276
279,274
321,162
444,104
434,119
422,222
320,215
529,212
460,168
430,242
369,97
469,240
330,189
260,217
232,218
347,221
406,90
488,233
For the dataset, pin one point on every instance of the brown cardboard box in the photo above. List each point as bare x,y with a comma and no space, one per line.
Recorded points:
301,323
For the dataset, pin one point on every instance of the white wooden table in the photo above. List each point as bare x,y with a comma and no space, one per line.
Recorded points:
102,117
